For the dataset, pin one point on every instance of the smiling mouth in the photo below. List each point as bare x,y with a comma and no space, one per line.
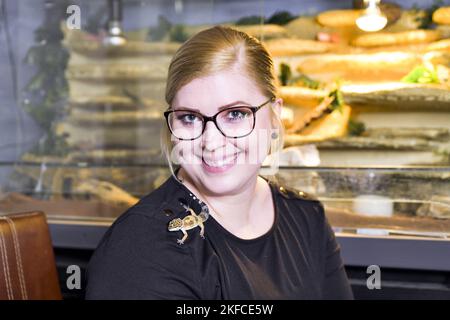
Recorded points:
228,161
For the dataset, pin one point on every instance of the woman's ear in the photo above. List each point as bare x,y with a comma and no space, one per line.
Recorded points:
278,105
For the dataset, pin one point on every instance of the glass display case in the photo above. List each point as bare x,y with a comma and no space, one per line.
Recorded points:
412,201
81,113
366,206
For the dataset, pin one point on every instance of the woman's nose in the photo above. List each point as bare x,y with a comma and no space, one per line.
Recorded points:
212,138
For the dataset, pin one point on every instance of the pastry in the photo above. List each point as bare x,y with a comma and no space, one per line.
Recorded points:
331,126
441,45
383,66
442,15
339,18
264,31
301,97
293,47
396,38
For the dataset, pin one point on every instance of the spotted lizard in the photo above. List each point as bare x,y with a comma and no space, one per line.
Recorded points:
189,222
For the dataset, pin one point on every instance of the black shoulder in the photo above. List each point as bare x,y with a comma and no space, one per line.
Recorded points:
303,205
135,257
292,193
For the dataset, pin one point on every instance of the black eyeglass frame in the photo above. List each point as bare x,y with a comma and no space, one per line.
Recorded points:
213,118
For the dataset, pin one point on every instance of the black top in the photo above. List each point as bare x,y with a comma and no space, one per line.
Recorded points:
138,258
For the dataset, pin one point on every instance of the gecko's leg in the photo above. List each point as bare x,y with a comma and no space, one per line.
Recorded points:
181,241
202,228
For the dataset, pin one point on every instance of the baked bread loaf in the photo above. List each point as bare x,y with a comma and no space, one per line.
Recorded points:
301,97
339,18
264,31
396,38
442,15
331,126
441,45
293,47
383,66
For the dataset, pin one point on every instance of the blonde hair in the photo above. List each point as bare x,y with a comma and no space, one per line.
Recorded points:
213,50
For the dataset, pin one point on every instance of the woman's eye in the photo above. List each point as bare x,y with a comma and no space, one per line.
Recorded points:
238,114
188,118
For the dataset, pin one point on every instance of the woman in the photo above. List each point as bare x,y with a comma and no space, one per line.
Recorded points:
216,229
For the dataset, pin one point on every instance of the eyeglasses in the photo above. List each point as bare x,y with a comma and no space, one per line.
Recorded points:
234,122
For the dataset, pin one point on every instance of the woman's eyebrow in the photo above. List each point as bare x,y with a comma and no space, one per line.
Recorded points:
220,108
186,108
233,104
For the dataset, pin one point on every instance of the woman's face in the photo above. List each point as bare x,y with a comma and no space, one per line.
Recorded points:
218,164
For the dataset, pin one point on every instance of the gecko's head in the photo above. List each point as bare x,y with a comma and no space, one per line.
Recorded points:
175,224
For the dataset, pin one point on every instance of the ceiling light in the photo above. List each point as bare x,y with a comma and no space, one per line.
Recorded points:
115,35
372,19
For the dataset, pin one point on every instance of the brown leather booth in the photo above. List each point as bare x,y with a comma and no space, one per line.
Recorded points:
27,262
